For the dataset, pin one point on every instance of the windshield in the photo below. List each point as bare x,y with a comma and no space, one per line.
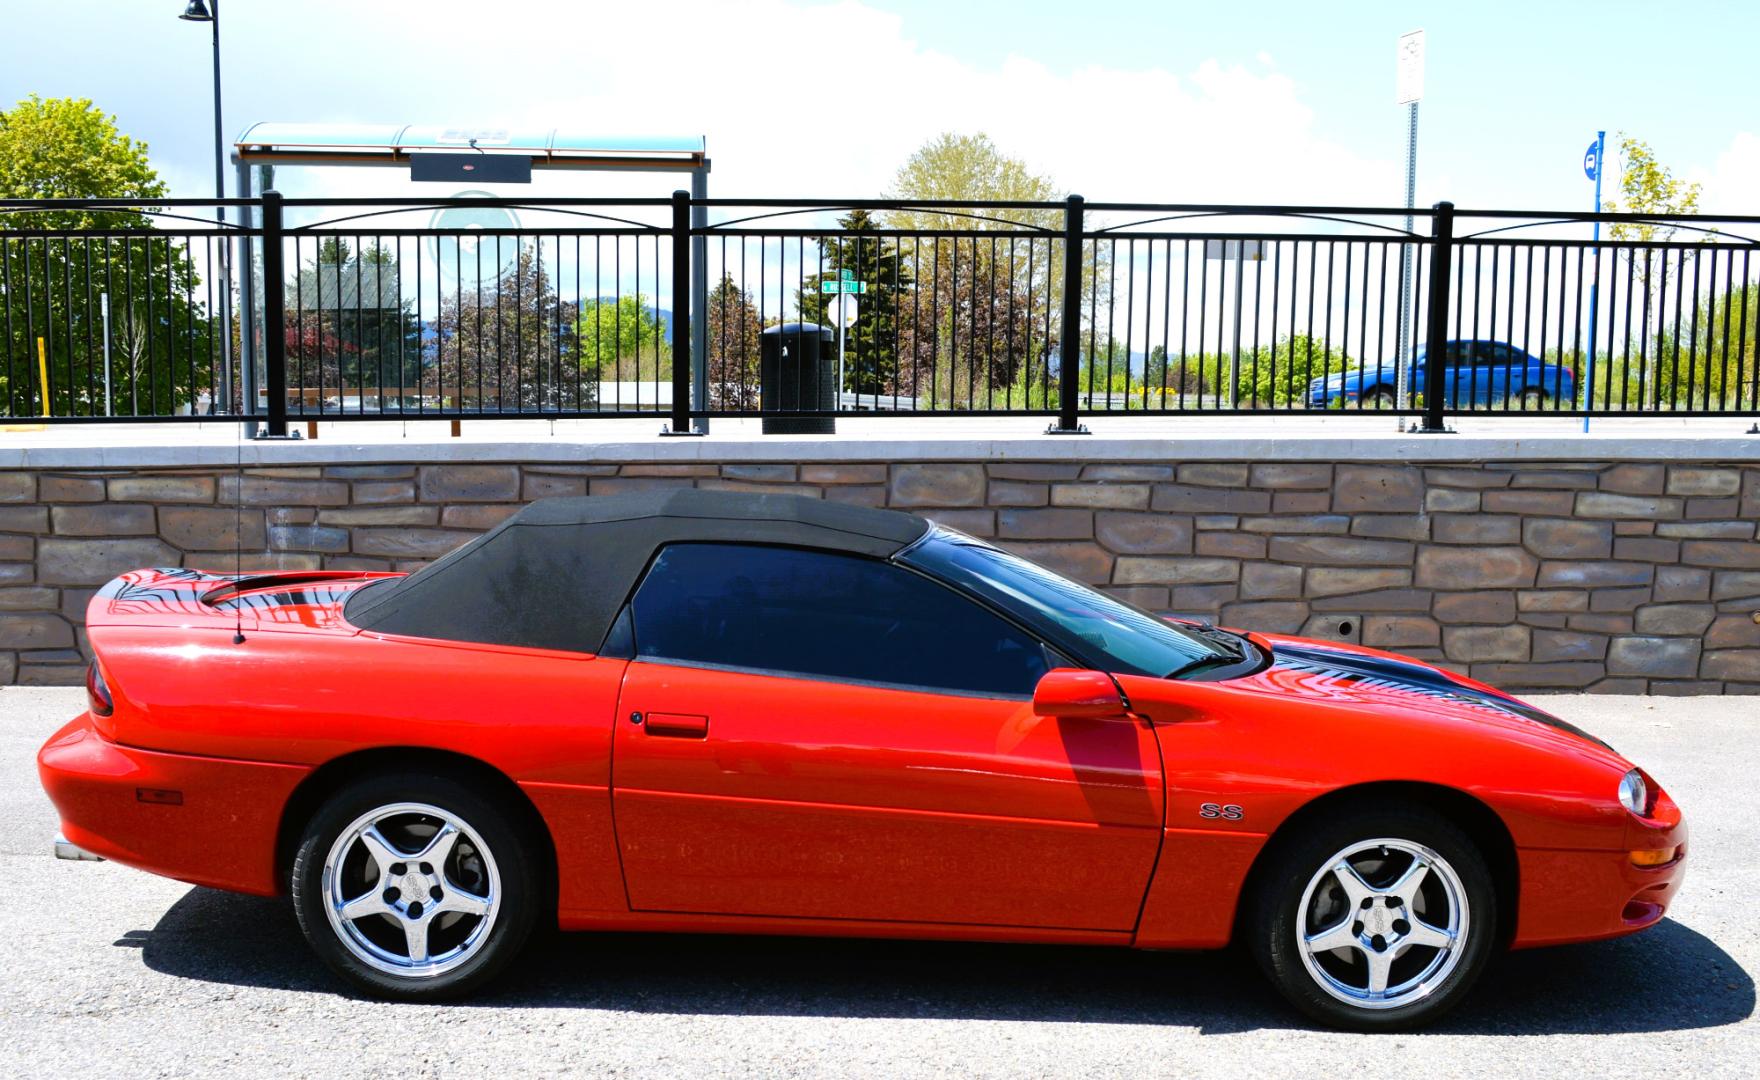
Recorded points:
1072,615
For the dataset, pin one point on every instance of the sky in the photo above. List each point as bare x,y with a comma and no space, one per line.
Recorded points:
1127,100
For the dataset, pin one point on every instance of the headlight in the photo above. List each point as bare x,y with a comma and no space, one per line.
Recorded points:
1634,794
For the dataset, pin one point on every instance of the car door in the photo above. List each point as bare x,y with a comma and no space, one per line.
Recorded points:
1451,373
1506,370
806,734
1489,371
1463,374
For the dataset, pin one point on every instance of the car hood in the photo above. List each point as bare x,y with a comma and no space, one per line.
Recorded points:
1362,678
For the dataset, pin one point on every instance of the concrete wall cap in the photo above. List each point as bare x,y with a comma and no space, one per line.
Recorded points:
1391,448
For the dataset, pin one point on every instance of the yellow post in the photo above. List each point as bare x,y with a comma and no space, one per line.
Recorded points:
43,375
43,380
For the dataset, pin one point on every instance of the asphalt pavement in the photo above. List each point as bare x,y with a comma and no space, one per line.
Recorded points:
105,971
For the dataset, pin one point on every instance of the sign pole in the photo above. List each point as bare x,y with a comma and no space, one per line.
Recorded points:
1409,89
842,290
1593,165
107,405
1234,352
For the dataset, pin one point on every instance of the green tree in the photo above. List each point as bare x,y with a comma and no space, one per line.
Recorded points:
1646,186
970,168
1191,374
349,328
512,347
622,339
1710,363
162,343
1155,367
67,148
970,330
871,342
733,329
1104,368
987,309
1279,373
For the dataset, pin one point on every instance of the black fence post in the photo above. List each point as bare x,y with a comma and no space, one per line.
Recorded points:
681,317
274,318
1436,332
1070,338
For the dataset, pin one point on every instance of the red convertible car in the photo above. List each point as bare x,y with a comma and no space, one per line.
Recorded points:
701,711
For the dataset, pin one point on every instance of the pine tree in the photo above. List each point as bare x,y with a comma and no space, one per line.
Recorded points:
871,342
514,347
733,328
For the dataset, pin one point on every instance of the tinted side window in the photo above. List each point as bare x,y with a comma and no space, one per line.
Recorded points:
1496,354
827,616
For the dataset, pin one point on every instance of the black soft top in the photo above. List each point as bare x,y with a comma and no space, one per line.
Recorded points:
556,574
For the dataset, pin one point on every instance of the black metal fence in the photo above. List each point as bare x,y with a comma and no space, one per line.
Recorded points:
485,307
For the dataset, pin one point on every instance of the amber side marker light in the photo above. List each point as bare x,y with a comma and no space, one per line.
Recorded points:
1652,856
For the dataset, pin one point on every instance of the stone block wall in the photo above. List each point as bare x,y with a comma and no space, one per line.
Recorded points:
1626,577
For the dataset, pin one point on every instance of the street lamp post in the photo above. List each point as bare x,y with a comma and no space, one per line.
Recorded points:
1409,89
209,12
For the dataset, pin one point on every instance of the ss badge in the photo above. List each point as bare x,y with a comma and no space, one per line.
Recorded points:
1226,811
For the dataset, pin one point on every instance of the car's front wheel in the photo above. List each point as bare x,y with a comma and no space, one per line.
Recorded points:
1375,919
1379,397
415,886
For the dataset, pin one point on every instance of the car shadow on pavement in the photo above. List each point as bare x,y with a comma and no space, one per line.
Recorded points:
1667,979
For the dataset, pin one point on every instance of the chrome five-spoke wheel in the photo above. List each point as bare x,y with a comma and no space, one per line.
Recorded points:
1375,914
411,889
1383,923
419,885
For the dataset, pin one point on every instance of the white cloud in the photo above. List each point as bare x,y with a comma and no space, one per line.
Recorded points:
820,100
1731,184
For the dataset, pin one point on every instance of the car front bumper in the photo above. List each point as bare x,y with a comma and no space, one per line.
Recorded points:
1571,896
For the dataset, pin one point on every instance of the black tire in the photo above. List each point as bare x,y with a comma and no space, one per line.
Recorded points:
1379,397
1273,930
1534,399
513,856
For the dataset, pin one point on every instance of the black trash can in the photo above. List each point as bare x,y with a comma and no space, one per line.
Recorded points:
797,372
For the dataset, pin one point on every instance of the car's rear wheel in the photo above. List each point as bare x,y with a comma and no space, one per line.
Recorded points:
1533,399
1376,919
415,886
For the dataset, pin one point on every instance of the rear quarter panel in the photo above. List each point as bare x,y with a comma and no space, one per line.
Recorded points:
306,698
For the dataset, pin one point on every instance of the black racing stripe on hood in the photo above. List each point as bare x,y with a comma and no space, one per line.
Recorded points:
1412,678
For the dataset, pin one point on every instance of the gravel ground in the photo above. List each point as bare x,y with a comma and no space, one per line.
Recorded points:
107,971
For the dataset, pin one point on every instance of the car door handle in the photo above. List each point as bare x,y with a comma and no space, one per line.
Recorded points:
676,725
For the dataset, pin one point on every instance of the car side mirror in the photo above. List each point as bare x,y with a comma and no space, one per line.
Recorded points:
1078,694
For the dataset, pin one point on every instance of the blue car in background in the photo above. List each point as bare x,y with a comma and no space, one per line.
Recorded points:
1475,373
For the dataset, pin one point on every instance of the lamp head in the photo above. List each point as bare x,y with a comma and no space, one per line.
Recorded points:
197,11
